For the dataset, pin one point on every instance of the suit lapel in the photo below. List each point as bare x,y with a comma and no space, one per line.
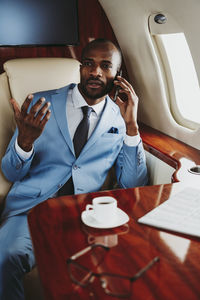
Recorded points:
59,108
108,116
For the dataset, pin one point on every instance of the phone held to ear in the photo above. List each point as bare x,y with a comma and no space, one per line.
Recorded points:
119,73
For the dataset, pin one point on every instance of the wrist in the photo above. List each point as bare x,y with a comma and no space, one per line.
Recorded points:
24,145
132,129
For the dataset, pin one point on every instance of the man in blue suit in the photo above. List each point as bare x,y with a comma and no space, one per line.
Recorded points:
42,160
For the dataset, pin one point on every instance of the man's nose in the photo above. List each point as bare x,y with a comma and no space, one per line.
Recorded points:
96,71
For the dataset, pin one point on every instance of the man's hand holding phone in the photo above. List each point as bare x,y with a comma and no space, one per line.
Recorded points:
129,107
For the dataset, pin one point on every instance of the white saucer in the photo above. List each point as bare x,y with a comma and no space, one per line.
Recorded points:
89,220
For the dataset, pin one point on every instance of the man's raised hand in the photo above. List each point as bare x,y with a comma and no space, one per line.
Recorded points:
30,124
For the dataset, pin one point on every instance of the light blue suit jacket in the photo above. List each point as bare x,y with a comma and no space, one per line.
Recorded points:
53,161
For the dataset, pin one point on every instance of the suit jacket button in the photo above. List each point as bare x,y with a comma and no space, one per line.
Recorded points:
18,166
75,167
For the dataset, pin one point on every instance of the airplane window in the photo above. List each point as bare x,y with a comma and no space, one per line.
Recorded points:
182,81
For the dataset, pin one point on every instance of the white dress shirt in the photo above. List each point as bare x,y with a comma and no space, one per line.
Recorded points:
74,116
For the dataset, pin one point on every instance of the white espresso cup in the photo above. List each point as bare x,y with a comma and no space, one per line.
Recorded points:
104,209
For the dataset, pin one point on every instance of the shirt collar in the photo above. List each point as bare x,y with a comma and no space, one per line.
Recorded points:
78,101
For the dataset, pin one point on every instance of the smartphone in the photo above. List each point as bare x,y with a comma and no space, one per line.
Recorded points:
119,73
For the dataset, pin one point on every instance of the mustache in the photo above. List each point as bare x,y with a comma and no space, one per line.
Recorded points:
93,79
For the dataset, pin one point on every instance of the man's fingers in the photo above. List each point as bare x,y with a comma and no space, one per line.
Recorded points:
43,110
45,119
120,103
37,106
125,83
125,86
16,107
26,104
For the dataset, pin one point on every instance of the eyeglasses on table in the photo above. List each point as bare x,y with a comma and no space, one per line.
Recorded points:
113,284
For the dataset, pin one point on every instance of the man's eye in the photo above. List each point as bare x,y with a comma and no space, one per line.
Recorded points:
106,66
87,63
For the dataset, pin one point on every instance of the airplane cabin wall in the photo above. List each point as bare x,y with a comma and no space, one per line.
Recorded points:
129,20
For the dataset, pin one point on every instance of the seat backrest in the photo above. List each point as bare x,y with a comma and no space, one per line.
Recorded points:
30,75
25,76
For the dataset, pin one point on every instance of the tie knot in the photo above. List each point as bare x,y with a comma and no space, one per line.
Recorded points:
86,111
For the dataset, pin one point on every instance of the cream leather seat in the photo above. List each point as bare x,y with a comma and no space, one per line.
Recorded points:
22,77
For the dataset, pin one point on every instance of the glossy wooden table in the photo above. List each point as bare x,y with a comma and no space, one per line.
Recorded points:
58,233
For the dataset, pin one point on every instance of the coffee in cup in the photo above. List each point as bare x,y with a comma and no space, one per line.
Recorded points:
104,209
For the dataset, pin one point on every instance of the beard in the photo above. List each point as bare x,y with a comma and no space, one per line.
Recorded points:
95,93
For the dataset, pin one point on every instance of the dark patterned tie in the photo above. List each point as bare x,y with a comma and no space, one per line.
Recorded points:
81,134
79,140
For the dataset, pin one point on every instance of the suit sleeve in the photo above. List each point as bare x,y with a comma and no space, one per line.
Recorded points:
14,168
131,170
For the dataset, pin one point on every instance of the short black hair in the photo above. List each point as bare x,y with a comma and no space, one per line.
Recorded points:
97,42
